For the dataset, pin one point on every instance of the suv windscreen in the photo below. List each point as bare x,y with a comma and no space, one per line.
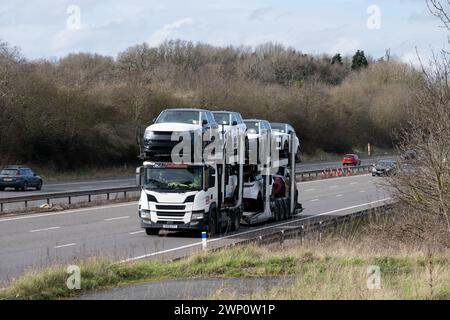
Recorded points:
171,116
222,118
252,126
278,127
9,172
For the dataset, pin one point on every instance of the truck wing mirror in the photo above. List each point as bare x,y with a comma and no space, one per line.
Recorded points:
139,172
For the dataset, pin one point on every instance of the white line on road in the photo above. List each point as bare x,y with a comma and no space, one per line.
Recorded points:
354,183
336,179
136,232
65,245
128,204
46,229
314,200
253,230
307,190
339,195
362,191
117,218
333,187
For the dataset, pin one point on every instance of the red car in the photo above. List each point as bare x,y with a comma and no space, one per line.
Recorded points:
351,159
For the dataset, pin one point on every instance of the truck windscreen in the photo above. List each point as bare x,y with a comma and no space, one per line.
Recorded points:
173,179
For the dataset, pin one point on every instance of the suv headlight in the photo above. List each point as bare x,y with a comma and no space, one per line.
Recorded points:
198,215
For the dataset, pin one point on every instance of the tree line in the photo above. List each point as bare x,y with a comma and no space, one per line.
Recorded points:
83,109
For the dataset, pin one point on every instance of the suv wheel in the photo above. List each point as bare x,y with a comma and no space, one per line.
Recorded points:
25,186
39,185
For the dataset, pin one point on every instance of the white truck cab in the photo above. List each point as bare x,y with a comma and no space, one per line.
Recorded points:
177,196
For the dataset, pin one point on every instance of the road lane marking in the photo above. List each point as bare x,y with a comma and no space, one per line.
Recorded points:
65,245
362,191
354,183
136,232
314,200
307,190
128,204
117,218
46,229
253,230
333,187
339,195
335,179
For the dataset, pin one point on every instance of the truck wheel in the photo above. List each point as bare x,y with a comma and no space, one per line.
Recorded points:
288,208
236,223
212,224
151,231
276,211
283,213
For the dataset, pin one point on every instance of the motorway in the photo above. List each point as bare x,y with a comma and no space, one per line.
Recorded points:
31,242
131,181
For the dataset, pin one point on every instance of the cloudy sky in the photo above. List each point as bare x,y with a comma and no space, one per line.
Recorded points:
51,29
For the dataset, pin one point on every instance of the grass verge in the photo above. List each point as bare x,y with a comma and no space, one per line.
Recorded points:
325,270
102,274
87,173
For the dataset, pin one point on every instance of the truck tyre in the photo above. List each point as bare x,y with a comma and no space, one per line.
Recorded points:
288,208
236,223
212,223
276,211
152,231
283,213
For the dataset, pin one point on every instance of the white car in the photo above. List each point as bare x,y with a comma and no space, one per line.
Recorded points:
233,125
282,132
256,131
157,137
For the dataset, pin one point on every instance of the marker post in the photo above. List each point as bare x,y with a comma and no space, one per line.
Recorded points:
204,240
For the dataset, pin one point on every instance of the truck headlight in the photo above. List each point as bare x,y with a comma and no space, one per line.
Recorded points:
145,213
198,215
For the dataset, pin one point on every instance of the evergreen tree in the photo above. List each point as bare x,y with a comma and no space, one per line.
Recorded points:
359,60
337,58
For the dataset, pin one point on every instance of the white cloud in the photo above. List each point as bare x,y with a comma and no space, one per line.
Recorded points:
345,46
169,31
412,59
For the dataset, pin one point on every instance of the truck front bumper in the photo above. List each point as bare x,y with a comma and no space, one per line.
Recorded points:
174,226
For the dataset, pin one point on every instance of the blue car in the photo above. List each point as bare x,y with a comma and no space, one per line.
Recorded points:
19,178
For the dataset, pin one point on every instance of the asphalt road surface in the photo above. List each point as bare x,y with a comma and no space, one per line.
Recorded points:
131,181
31,242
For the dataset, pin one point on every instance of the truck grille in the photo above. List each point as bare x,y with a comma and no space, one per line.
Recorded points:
169,214
170,207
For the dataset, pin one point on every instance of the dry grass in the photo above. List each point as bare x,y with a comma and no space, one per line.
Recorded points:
338,270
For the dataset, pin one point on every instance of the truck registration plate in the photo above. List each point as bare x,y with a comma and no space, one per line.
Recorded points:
170,226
